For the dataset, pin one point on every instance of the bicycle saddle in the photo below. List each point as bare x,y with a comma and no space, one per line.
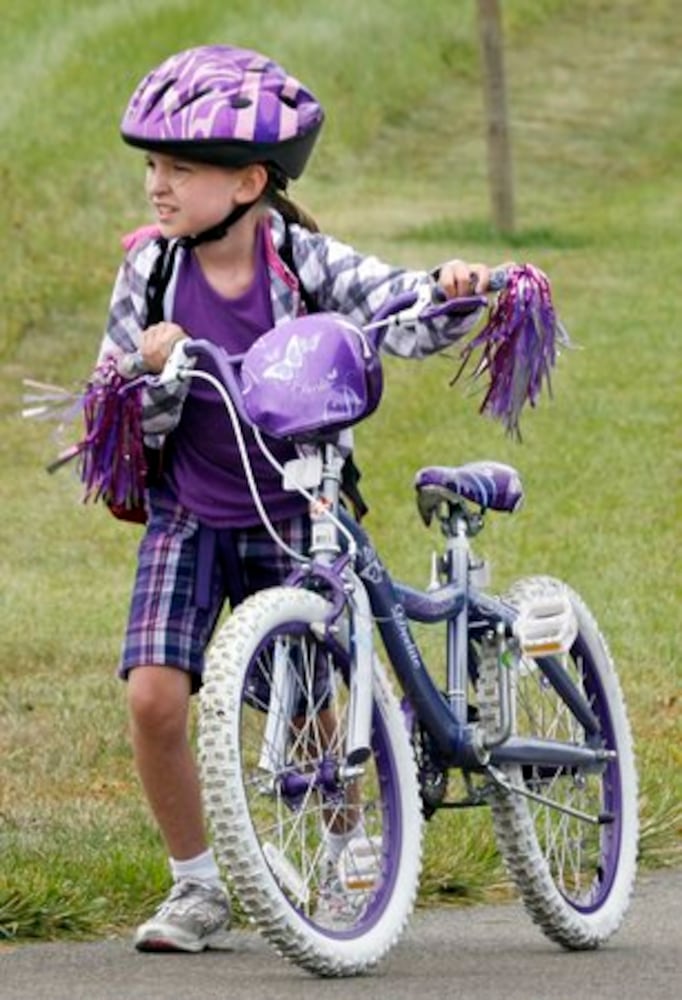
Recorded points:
490,485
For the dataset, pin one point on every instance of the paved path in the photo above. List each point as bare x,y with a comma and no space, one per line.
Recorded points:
478,953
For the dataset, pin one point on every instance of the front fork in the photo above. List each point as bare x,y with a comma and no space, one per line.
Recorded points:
354,635
361,689
348,630
273,753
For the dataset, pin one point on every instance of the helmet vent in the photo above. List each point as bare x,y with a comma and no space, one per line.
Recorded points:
240,101
156,96
190,99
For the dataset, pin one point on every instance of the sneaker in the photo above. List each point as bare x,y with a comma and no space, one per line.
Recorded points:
346,885
191,918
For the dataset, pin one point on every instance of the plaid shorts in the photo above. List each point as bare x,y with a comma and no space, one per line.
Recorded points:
185,574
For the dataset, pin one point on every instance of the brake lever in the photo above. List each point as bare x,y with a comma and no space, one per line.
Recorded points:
462,306
465,304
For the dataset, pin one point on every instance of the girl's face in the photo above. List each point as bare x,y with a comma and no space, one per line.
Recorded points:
189,197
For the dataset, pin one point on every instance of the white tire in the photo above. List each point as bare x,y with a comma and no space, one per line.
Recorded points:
575,877
269,823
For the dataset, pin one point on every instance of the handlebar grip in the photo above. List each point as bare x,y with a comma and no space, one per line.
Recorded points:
130,366
498,279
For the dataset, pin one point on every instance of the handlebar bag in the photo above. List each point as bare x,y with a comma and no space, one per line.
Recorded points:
311,376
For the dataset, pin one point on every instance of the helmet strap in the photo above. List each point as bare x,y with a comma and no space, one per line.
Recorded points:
218,231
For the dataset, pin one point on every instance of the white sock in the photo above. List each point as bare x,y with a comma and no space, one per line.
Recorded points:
203,867
336,842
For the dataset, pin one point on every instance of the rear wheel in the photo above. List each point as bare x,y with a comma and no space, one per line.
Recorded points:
324,857
575,876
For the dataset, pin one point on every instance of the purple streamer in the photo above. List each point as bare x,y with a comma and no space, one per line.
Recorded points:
519,346
111,455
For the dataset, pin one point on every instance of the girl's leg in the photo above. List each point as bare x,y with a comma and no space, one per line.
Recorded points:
158,699
168,629
197,910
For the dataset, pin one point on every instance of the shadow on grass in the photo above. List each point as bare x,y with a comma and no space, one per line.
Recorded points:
484,232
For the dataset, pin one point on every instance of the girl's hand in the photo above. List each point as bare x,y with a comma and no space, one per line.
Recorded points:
458,278
157,342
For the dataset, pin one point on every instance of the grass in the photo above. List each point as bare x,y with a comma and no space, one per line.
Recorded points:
401,172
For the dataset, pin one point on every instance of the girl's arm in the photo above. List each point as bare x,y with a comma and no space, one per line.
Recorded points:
161,405
343,280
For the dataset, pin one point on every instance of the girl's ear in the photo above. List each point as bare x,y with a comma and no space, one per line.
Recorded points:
253,182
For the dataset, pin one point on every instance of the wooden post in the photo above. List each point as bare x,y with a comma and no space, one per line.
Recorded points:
497,130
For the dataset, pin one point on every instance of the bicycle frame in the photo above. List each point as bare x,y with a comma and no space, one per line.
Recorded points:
359,580
469,614
303,736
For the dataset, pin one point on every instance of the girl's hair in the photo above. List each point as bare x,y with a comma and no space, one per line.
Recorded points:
276,196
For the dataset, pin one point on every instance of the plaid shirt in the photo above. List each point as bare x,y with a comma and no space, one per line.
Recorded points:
336,276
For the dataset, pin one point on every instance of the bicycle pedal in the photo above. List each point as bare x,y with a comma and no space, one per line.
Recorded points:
359,864
546,624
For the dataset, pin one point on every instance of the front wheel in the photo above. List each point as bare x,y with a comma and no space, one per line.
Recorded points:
324,855
575,875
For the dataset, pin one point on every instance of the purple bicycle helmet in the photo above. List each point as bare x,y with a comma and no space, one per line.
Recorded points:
226,106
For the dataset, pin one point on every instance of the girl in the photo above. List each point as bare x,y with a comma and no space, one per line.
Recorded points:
224,129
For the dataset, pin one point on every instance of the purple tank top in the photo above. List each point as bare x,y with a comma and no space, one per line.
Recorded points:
202,458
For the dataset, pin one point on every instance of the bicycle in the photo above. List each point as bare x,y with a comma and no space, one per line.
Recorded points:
303,742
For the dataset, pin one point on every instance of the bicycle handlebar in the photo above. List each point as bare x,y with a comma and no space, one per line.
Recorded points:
405,306
224,362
